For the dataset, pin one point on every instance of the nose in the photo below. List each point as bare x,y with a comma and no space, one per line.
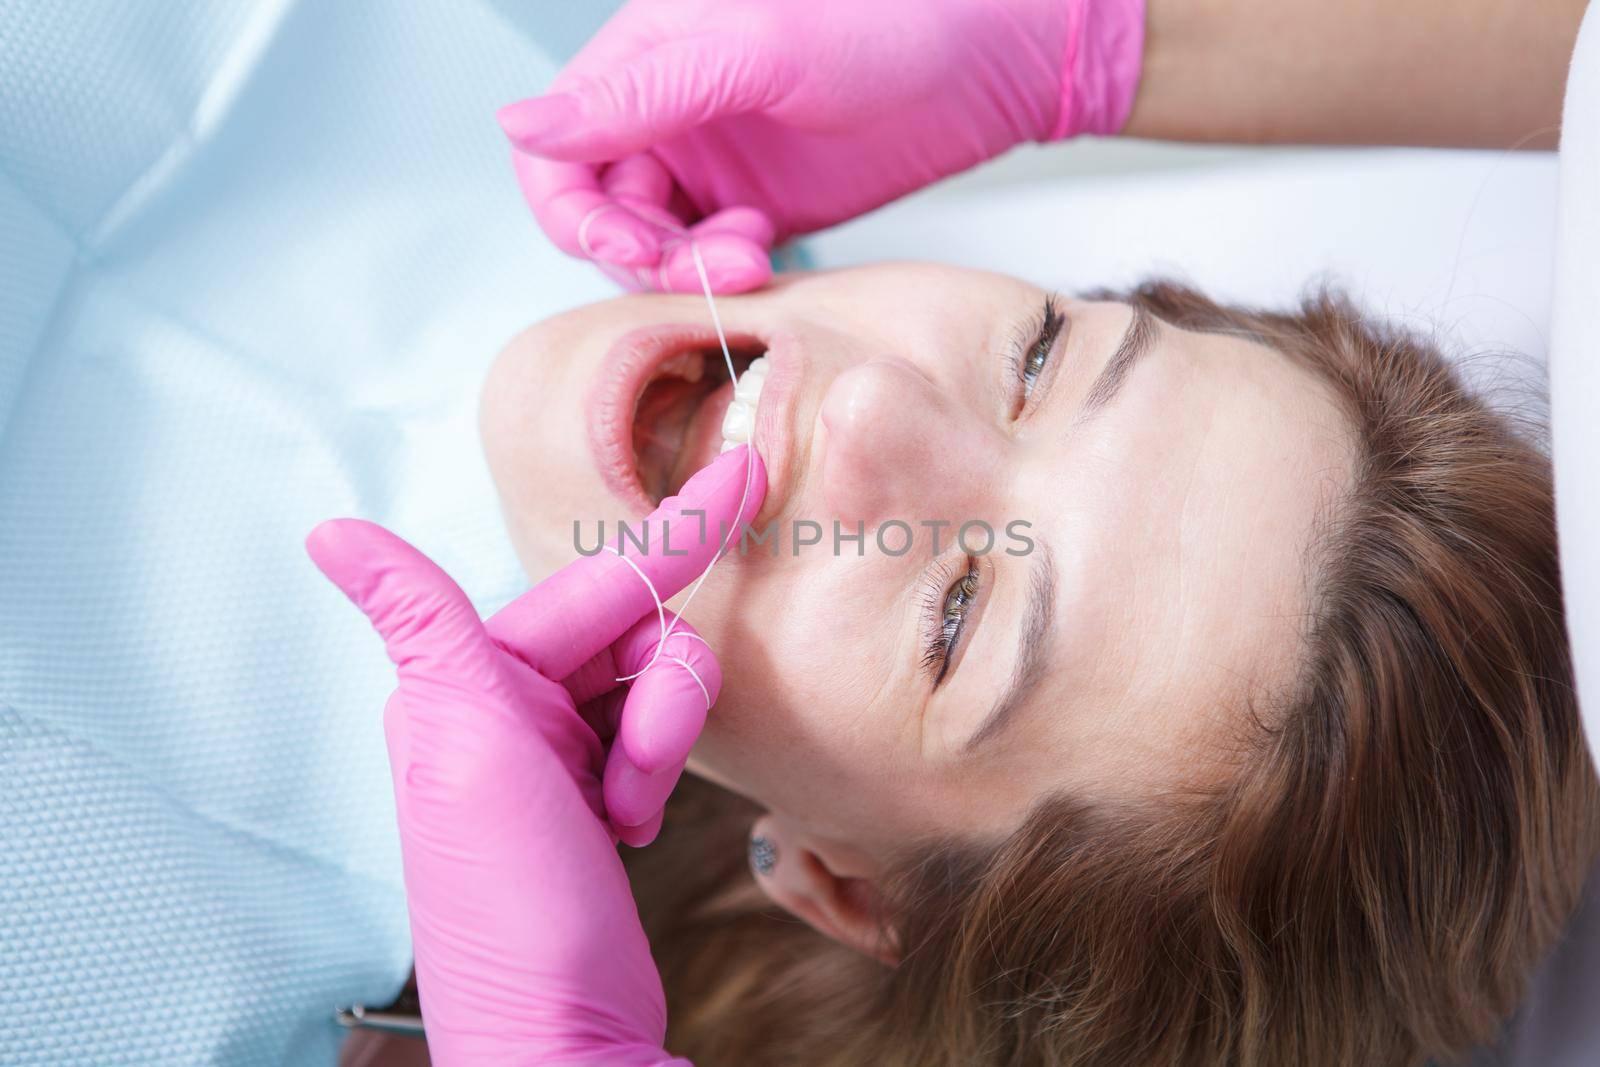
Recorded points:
901,447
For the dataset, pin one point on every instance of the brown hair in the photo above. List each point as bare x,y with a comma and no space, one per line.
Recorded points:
1401,843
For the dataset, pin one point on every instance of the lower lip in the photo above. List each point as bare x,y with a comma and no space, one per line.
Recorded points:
628,366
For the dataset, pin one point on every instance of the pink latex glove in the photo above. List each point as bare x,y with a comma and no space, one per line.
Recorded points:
509,743
748,121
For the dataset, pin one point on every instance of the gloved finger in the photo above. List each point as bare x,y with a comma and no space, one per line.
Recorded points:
641,835
665,709
668,223
638,179
650,98
623,659
653,723
734,263
567,618
643,185
635,799
678,680
634,796
428,625
578,216
748,222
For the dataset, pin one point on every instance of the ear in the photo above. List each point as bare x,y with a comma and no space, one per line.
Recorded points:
825,883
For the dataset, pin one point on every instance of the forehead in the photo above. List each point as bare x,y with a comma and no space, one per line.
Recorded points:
953,299
1185,517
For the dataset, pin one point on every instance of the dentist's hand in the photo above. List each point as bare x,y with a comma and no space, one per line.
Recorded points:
752,120
518,760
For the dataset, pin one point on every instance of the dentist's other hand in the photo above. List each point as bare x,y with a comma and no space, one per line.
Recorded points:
518,760
748,121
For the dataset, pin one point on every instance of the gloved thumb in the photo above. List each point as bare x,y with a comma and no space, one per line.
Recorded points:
652,97
428,625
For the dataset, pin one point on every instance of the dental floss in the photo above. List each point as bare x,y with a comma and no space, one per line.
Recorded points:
682,235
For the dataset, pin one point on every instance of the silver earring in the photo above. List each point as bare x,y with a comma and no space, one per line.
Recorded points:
763,854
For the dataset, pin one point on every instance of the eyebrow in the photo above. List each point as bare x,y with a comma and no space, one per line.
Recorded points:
1033,641
1038,616
1136,341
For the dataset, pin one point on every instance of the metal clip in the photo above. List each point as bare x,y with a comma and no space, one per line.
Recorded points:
404,1016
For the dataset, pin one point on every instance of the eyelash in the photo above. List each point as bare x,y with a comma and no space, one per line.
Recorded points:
1030,351
949,597
945,605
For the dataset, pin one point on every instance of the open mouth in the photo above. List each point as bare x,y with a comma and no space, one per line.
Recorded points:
677,425
663,406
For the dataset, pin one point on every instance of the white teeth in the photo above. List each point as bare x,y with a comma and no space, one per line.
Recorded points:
740,419
749,387
737,422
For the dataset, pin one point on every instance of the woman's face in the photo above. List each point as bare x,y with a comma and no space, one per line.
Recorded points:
1152,493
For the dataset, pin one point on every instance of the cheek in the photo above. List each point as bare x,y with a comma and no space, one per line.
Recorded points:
817,719
806,653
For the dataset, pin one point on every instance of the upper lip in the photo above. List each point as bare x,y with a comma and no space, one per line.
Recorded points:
630,362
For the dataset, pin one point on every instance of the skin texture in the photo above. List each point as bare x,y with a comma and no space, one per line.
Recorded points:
1179,518
1468,73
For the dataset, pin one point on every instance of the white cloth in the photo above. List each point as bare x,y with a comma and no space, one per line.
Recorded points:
1559,1025
255,258
1575,367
